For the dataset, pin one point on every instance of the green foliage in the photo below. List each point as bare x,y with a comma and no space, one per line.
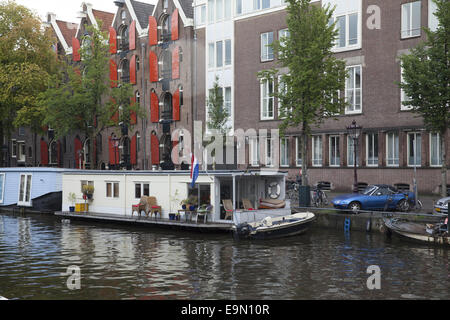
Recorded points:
218,115
310,90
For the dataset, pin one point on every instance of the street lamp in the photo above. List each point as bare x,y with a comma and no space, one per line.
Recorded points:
354,131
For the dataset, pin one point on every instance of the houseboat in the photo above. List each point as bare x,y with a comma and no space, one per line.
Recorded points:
31,188
230,196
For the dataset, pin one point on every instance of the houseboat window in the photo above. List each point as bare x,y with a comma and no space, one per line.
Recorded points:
84,182
141,189
25,190
202,192
2,186
112,189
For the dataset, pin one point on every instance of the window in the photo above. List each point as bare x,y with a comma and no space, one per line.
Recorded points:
372,149
13,148
165,4
432,19
266,99
22,151
219,54
404,97
24,190
210,11
261,4
123,45
414,149
266,50
435,150
227,100
347,27
298,151
253,151
284,152
125,68
269,152
112,189
211,55
317,151
227,9
392,158
21,131
123,14
353,89
219,9
2,186
282,35
85,182
282,90
228,52
351,152
141,189
239,6
335,156
411,19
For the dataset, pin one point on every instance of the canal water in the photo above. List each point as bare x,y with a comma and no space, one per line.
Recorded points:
120,262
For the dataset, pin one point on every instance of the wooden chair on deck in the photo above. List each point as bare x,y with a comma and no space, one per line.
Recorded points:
149,205
228,205
247,205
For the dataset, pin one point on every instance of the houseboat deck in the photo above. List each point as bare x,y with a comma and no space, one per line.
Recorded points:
182,224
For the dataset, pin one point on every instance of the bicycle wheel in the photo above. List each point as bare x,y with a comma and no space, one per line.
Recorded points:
324,199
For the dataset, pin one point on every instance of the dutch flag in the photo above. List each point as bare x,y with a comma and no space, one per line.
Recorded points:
194,170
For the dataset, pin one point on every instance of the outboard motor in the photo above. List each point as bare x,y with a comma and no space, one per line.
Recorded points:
241,230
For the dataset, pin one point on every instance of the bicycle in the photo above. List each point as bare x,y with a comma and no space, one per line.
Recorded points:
292,191
319,198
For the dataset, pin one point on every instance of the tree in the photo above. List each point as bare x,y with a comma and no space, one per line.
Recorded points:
309,93
26,64
80,97
426,81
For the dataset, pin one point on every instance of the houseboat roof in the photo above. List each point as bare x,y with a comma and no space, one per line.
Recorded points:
179,172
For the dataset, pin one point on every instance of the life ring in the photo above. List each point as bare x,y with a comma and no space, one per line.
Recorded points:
274,190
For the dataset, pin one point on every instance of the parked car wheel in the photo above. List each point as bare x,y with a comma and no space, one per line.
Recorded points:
404,205
354,206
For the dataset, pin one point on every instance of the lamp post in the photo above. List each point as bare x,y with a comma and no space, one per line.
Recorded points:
354,131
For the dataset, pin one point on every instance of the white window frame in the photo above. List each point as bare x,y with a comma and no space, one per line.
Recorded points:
253,145
211,11
403,96
266,100
395,151
211,55
284,152
350,152
141,183
408,33
354,89
438,147
265,49
269,152
418,155
2,185
337,150
13,148
230,45
219,52
317,162
27,186
370,136
348,46
113,183
433,22
298,160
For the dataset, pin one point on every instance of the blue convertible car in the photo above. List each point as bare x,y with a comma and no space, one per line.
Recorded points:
375,197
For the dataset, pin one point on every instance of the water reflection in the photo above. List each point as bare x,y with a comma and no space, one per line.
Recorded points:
132,263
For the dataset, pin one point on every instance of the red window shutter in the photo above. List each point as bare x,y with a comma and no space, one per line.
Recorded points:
132,35
113,152
76,49
133,155
174,24
112,40
152,31
44,153
154,107
78,146
113,73
153,62
154,149
133,69
176,63
133,116
176,105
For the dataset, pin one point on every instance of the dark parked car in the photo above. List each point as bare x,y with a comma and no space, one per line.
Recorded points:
375,197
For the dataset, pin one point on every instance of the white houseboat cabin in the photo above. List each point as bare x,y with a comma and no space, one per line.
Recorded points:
115,192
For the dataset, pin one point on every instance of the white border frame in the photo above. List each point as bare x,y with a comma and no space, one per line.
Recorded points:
25,203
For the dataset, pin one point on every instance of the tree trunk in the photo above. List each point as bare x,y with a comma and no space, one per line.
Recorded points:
305,181
444,164
91,151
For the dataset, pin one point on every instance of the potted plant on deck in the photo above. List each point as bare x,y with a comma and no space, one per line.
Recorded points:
88,190
72,198
190,203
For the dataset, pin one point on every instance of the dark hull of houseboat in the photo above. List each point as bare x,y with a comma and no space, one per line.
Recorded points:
47,203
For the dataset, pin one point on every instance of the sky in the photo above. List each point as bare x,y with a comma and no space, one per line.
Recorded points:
67,10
